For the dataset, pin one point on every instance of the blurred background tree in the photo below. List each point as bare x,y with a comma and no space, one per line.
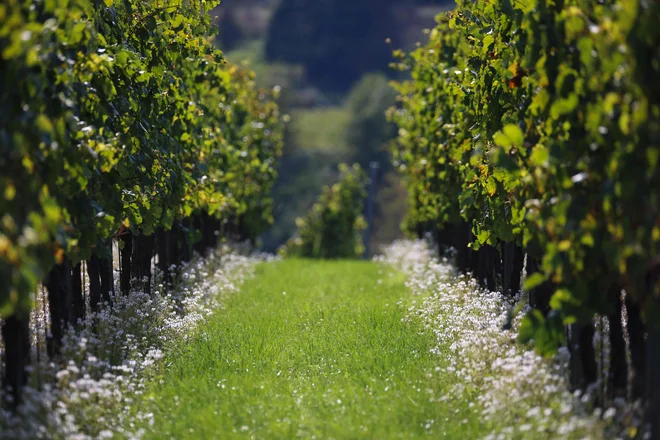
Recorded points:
367,131
331,61
336,41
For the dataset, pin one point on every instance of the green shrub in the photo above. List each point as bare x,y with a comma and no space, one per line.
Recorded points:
332,228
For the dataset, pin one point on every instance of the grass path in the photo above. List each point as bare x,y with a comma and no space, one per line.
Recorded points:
309,350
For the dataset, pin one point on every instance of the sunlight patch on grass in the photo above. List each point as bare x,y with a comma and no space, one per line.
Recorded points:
320,128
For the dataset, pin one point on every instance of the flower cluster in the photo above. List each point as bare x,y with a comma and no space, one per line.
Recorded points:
104,364
519,393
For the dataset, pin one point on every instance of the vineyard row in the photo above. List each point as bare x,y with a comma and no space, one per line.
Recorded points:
120,122
530,130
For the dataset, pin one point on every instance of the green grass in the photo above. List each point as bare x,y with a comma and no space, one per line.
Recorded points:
320,128
309,350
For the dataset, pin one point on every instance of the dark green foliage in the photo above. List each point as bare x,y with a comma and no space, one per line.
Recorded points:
230,33
368,131
446,3
336,41
332,228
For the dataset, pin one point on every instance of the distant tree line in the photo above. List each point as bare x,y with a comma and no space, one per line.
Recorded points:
337,41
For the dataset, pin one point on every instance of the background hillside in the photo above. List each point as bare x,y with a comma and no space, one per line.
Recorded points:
332,71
